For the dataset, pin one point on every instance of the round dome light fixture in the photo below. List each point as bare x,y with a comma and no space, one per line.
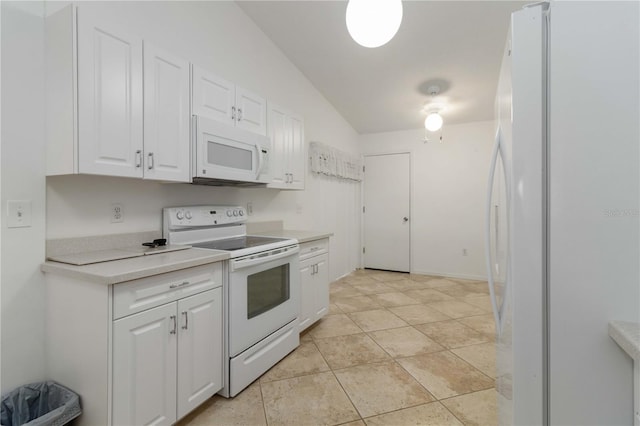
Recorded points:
433,122
372,23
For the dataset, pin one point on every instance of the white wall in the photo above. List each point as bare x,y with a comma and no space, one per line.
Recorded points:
448,193
221,38
22,178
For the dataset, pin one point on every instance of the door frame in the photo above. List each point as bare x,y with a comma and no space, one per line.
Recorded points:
362,201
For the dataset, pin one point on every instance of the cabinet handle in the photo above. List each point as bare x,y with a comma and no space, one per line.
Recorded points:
175,324
314,248
150,161
233,113
186,320
138,159
184,283
239,114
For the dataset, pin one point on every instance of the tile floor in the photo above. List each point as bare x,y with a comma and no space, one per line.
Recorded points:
395,349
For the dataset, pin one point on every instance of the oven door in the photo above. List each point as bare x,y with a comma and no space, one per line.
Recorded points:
264,295
229,153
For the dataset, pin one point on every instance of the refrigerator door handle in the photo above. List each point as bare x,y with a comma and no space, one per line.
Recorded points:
487,232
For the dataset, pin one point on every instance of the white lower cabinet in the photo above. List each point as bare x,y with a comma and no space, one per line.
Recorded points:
314,272
141,352
167,360
144,368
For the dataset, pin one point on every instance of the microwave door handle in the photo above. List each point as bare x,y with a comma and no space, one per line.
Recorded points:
260,161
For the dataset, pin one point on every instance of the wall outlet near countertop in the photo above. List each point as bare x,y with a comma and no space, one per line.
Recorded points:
249,208
464,252
117,213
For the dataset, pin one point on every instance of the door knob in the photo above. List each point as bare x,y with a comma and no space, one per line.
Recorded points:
405,219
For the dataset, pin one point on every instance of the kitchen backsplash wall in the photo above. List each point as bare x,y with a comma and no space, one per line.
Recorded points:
80,206
449,181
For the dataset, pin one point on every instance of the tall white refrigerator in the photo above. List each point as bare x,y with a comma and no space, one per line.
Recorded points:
563,216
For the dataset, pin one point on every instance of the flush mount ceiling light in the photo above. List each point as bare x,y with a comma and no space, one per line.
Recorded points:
372,23
434,121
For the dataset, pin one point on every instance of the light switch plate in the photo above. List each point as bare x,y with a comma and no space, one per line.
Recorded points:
18,213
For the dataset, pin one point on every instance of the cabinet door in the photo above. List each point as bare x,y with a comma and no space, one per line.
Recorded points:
109,98
279,142
321,286
251,111
166,116
296,157
199,349
307,304
213,97
144,367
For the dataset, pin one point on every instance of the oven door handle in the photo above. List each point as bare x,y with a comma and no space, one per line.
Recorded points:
258,259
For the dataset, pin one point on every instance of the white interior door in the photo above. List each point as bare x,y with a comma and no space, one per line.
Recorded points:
387,220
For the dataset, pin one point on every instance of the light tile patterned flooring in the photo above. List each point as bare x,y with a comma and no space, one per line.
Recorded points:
395,349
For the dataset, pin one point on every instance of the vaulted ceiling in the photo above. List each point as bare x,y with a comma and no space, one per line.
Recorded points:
457,45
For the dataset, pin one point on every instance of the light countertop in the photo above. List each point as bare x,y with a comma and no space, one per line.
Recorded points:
301,236
627,335
118,271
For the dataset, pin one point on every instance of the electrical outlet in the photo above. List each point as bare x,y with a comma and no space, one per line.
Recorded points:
299,208
249,208
464,252
18,213
117,213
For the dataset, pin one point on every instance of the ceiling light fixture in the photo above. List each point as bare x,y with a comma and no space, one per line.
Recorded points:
434,120
372,23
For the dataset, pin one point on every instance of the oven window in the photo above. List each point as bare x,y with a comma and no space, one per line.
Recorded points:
267,289
221,154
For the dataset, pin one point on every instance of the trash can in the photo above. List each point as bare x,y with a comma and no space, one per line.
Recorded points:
39,404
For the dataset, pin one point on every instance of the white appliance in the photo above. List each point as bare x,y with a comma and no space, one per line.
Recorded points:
262,290
562,231
225,154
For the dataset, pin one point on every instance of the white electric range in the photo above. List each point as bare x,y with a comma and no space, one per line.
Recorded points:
262,290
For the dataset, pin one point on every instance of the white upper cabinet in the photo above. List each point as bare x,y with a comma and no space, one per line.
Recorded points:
109,98
213,96
251,111
279,146
218,99
113,94
166,115
288,159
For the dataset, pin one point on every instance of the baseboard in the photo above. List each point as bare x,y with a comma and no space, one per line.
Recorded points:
451,275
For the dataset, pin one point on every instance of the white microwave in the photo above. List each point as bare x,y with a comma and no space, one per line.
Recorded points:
226,155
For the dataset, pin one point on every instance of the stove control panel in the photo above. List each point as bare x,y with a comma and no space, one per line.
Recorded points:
194,216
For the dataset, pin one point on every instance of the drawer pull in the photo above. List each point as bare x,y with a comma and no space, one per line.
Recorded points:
184,283
314,248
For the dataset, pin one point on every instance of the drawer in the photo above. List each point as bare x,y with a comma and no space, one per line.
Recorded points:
313,248
146,293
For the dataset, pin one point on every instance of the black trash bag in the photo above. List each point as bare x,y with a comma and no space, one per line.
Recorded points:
39,404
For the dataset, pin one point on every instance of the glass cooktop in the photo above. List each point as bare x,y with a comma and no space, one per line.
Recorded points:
232,244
